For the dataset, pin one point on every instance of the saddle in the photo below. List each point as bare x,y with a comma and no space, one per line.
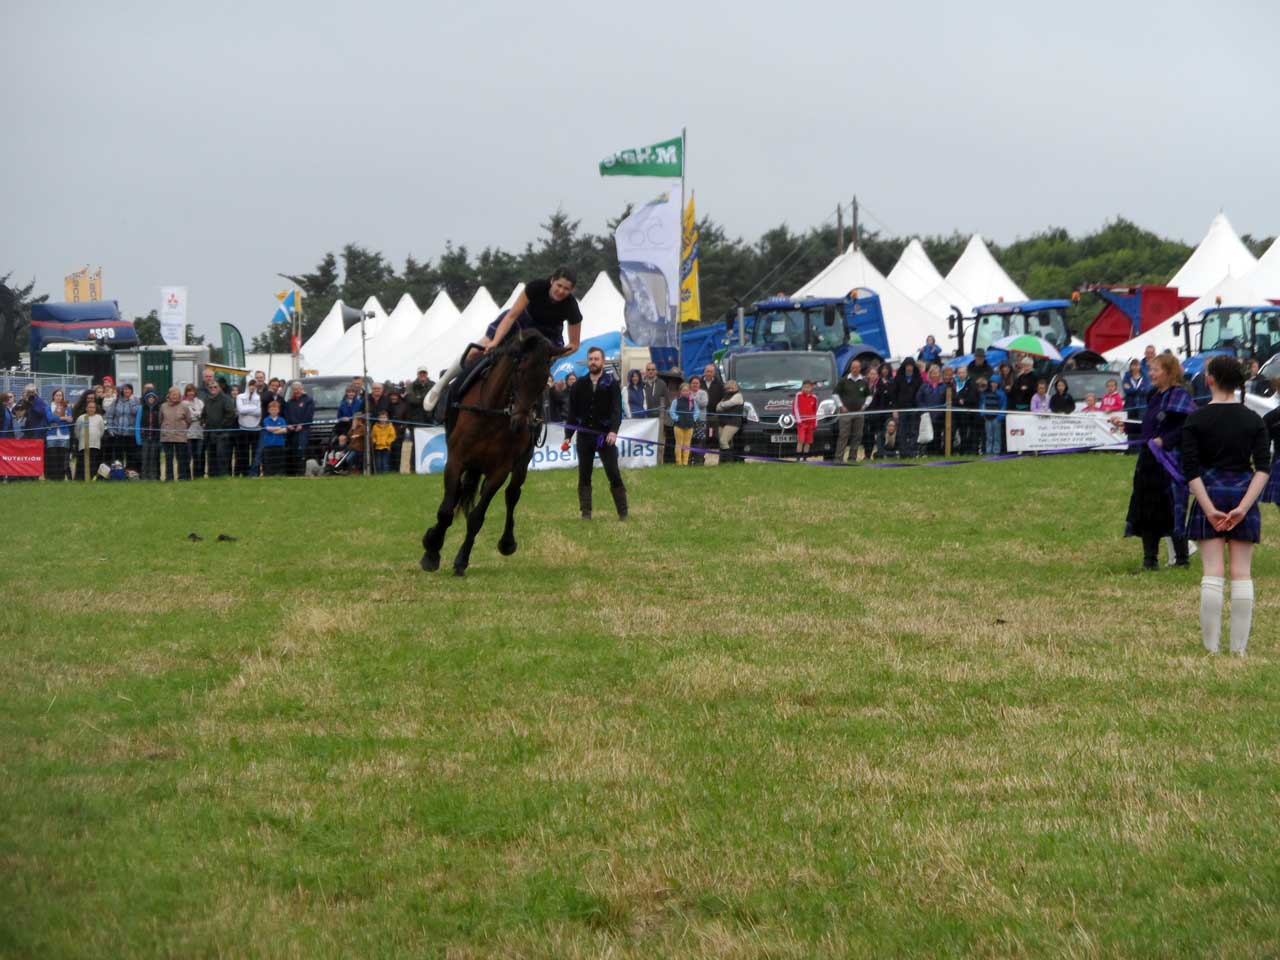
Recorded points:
469,376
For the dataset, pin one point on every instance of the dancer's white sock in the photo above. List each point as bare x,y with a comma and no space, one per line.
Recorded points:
1211,611
1241,614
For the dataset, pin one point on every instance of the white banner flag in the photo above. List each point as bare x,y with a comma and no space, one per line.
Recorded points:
649,265
173,315
637,447
1029,432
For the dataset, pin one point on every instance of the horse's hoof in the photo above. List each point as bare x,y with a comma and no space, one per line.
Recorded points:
459,571
507,547
429,563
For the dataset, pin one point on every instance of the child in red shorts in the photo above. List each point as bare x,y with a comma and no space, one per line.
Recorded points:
805,409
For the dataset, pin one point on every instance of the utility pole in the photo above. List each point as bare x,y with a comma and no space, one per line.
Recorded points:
856,238
839,229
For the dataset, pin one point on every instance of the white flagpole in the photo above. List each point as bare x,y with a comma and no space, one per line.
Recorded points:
684,161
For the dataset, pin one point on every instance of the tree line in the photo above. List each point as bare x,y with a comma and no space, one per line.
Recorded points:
732,270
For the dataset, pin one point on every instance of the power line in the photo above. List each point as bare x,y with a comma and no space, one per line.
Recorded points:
786,261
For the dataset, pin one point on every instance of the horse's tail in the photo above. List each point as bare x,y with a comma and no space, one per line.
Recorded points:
468,486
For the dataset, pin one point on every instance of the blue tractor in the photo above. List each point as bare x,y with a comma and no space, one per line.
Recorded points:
1250,333
846,327
1046,319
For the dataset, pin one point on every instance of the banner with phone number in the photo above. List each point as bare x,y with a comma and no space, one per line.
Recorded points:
637,447
1028,432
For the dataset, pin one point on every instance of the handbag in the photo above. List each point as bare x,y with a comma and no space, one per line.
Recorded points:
926,429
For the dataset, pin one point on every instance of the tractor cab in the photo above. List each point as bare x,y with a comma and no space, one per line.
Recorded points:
1046,319
1250,333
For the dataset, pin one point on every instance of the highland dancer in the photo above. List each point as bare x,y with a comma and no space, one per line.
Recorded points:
1226,457
1158,504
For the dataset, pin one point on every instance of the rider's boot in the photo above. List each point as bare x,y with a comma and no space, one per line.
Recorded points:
436,392
584,500
620,501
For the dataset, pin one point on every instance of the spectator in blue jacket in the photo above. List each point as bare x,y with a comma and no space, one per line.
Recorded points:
271,441
299,411
6,416
57,441
635,395
1136,385
352,403
930,352
37,414
992,402
120,412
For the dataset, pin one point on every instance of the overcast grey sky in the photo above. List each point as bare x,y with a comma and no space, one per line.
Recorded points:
216,146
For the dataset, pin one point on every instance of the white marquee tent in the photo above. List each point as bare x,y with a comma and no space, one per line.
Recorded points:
980,278
346,357
907,323
916,276
326,337
1220,254
439,317
602,308
469,327
386,357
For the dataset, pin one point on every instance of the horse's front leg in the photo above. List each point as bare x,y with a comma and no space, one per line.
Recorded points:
507,545
475,520
433,539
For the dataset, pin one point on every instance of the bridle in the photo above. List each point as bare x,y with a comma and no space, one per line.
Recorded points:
517,352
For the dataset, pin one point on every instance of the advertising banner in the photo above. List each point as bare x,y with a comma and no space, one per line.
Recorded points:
1029,432
690,298
648,244
658,160
173,315
21,458
637,447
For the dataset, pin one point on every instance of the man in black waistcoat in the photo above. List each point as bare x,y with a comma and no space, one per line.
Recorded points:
595,414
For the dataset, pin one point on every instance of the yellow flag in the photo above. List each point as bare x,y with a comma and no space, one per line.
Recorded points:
83,286
690,300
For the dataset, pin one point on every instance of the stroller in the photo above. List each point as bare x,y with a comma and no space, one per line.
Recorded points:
340,460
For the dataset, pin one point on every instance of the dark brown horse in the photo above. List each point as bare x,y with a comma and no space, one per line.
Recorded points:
492,439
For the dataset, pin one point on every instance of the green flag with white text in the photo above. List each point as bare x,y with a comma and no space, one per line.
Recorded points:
664,159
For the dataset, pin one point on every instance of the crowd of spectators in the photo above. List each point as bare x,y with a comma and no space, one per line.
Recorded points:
263,429
195,431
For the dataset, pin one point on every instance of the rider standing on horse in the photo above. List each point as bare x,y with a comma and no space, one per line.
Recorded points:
543,305
595,413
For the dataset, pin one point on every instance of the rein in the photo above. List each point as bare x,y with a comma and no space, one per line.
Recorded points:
536,423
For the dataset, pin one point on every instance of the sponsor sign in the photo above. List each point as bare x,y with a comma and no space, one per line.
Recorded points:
1029,432
173,315
637,447
21,458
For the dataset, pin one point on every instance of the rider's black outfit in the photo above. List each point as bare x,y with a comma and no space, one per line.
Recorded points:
595,409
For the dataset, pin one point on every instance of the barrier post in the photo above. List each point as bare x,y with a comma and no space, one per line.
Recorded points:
947,446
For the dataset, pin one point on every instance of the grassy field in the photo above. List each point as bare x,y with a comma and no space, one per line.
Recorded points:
781,712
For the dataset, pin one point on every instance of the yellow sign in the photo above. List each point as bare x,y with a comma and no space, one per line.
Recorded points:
83,286
690,298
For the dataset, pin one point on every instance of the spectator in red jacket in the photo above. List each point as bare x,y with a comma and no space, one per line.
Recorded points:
805,409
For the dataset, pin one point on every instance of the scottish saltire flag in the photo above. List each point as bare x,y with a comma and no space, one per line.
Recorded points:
287,308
